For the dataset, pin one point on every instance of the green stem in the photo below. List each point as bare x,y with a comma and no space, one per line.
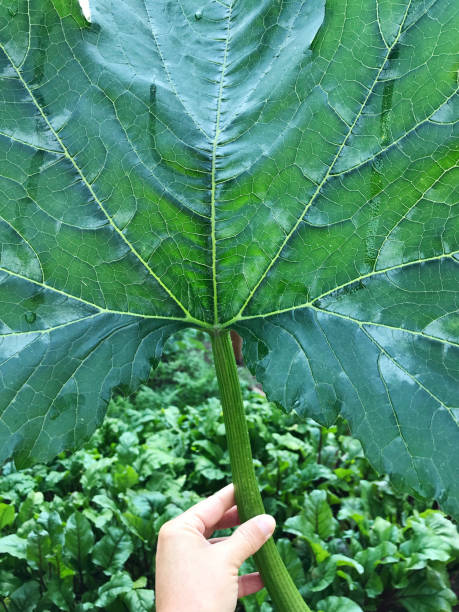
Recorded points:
276,578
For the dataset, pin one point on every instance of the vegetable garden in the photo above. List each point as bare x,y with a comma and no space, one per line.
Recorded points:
283,169
96,513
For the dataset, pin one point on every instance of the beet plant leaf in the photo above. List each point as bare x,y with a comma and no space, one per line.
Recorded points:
286,169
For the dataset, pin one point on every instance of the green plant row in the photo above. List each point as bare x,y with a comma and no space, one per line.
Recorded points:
80,534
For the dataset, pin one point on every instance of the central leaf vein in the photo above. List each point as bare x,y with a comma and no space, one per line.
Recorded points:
214,162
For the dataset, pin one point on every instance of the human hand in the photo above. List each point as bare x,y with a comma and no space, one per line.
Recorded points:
195,574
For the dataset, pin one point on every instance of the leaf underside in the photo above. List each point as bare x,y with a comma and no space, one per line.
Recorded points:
288,169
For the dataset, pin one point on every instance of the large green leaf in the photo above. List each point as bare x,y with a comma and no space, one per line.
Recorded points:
285,168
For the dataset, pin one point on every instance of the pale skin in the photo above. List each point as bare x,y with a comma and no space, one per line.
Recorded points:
198,574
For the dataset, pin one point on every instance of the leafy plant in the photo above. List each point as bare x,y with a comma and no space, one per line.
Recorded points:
287,170
376,550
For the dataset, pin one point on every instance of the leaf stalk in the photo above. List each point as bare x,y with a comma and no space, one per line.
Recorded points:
276,578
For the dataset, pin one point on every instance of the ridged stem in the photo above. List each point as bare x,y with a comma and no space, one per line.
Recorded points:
276,578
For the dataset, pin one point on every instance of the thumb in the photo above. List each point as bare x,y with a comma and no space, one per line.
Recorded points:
249,537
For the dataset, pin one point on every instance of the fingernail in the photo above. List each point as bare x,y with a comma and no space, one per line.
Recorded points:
266,524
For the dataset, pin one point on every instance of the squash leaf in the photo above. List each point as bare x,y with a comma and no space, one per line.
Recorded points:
286,169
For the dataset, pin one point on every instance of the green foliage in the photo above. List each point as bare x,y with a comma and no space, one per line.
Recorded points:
286,168
83,529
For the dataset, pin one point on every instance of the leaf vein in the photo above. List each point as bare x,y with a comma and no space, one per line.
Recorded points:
324,180
413,378
215,143
100,308
346,284
89,186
